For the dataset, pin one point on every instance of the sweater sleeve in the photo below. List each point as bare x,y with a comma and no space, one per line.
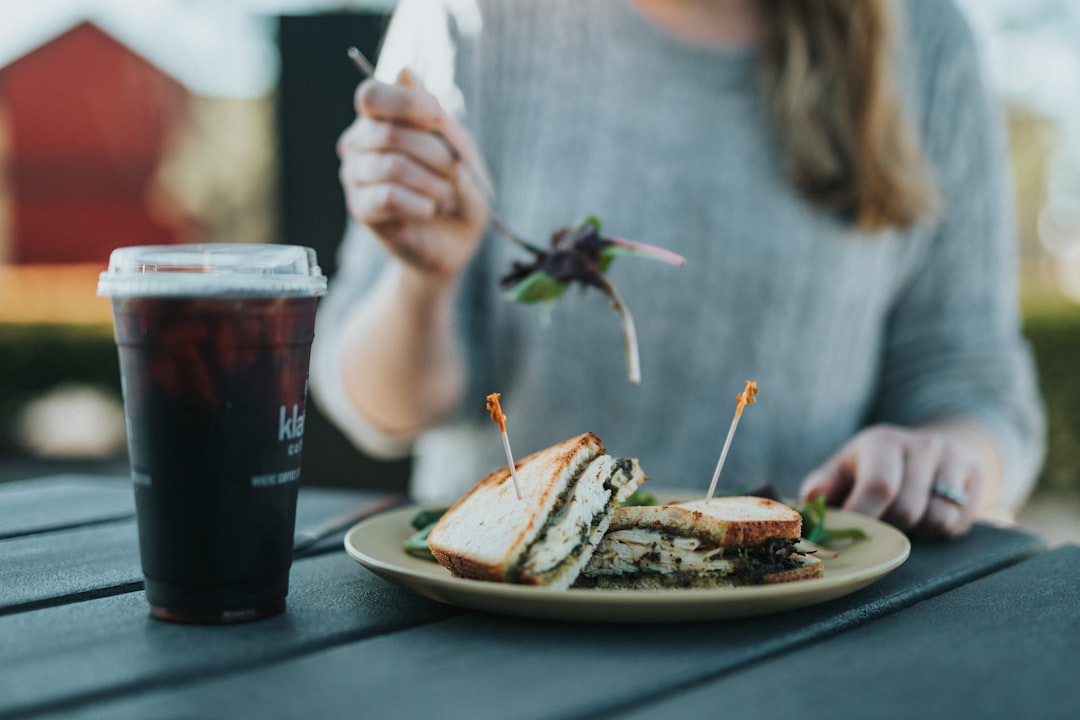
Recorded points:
419,38
360,260
954,348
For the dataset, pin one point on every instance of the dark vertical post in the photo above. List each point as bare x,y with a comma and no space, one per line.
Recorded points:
314,105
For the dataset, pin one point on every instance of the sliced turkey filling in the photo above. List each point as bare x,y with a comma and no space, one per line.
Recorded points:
649,551
579,520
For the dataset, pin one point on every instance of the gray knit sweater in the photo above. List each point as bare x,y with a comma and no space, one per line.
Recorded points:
587,108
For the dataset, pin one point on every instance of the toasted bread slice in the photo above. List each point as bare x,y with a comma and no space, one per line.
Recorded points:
568,493
723,521
810,567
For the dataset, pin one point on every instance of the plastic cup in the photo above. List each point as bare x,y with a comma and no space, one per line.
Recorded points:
214,344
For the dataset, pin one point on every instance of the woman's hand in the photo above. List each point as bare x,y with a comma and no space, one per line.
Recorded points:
402,179
930,481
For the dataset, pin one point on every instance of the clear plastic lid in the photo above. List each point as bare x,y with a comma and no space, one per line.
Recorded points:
212,270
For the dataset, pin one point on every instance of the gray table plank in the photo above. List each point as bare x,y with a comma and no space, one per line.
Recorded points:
59,502
93,560
77,563
478,665
1005,646
62,501
60,657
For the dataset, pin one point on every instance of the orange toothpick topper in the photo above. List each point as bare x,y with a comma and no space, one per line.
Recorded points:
747,397
499,419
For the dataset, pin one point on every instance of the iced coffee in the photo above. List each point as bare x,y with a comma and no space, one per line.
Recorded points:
214,343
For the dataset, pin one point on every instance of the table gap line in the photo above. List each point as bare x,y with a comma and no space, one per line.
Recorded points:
112,519
81,596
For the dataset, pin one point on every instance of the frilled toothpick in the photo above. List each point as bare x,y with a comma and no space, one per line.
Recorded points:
499,418
747,397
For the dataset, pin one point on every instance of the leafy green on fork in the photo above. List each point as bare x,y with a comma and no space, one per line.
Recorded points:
580,254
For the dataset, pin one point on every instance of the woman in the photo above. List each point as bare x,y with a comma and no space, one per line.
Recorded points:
834,174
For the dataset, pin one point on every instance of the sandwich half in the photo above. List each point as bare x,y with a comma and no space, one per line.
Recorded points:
569,492
722,542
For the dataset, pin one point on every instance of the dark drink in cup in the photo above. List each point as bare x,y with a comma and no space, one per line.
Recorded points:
214,343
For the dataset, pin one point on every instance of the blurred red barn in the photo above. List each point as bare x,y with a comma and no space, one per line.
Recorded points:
88,120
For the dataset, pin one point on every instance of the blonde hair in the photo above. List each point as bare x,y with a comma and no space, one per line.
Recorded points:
828,75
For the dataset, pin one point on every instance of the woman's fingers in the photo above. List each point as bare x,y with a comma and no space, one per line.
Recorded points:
406,181
378,204
878,475
460,143
865,475
422,146
922,455
403,174
943,515
404,103
830,480
904,476
457,141
955,496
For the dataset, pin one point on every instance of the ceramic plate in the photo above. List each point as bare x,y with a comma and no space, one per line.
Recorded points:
376,544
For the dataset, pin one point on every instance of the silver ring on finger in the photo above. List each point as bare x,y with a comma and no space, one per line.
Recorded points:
949,493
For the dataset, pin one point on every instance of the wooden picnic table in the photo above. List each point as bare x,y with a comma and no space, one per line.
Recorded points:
987,626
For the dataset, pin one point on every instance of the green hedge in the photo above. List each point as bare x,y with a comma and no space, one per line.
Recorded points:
36,358
1055,341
